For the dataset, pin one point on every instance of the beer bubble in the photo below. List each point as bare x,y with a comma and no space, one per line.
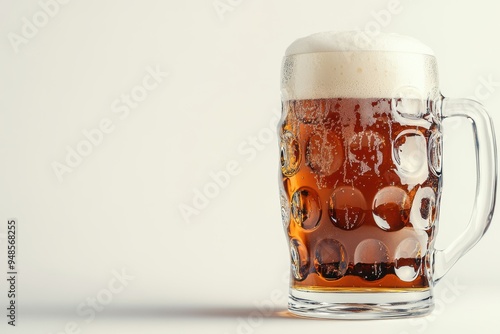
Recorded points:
300,259
347,207
306,208
408,259
290,154
370,258
391,208
330,259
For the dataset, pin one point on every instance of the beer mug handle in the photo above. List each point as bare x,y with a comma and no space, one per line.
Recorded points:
486,182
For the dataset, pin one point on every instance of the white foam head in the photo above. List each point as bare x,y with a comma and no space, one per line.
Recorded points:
353,64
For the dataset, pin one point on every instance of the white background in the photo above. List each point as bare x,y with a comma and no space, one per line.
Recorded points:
119,208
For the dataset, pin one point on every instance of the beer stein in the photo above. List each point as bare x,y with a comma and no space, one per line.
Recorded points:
361,144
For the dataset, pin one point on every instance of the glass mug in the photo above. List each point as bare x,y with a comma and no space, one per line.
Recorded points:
361,175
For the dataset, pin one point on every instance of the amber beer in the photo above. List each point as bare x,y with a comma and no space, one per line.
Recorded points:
360,187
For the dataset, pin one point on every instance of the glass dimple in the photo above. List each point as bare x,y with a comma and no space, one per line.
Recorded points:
306,209
371,258
391,208
408,259
285,208
290,154
365,152
409,103
410,152
324,154
347,207
423,210
312,111
435,152
300,259
330,260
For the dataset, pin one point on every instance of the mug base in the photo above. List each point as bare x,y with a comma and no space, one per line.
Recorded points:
360,305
